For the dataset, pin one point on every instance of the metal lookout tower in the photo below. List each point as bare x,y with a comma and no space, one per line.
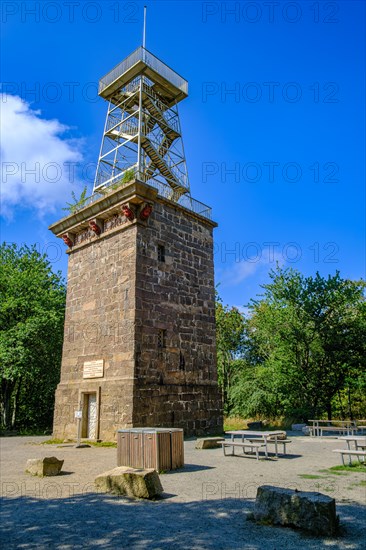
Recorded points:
142,135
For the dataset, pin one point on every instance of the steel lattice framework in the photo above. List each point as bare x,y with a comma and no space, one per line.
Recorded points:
142,135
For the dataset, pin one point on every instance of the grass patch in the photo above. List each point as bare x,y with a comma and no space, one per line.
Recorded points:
112,444
310,476
92,443
234,423
354,467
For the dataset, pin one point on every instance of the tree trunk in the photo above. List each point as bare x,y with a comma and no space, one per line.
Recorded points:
349,403
340,405
7,388
15,402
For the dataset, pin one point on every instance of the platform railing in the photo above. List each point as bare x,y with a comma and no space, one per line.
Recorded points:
163,190
141,54
184,200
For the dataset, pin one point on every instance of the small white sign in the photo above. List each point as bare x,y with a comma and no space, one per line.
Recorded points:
78,414
93,369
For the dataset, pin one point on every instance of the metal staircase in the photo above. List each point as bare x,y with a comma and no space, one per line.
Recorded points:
142,135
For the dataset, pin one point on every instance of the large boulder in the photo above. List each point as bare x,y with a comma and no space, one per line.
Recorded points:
130,482
311,512
47,466
209,442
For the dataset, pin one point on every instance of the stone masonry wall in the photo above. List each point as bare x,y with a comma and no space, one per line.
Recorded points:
99,324
176,385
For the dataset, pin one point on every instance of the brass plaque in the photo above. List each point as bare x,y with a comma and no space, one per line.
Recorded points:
93,369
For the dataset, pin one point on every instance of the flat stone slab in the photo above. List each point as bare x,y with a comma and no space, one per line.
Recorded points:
311,512
130,482
47,466
209,442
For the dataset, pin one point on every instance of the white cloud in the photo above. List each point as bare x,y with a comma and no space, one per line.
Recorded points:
34,158
238,272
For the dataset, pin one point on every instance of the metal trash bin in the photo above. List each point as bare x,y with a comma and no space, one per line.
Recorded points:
158,448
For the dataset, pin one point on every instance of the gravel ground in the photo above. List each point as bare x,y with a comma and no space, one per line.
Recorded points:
205,505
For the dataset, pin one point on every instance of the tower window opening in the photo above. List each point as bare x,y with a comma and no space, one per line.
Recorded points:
161,339
161,253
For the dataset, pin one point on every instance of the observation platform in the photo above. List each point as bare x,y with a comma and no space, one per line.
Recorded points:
167,83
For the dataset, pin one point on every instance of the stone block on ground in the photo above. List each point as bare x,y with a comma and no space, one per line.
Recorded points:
47,466
130,482
282,435
258,425
297,427
209,442
306,430
311,512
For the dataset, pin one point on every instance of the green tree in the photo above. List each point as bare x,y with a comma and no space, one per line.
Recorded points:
230,332
31,332
308,334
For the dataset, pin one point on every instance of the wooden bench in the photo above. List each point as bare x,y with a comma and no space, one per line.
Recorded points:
350,452
243,444
273,441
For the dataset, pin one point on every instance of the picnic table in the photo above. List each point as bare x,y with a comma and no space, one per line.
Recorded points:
343,426
254,439
359,449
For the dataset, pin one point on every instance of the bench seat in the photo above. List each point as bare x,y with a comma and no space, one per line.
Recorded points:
284,442
350,452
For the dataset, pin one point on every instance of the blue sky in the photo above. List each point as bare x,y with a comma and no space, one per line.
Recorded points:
274,125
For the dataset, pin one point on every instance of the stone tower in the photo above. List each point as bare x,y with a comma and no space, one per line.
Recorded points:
139,346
